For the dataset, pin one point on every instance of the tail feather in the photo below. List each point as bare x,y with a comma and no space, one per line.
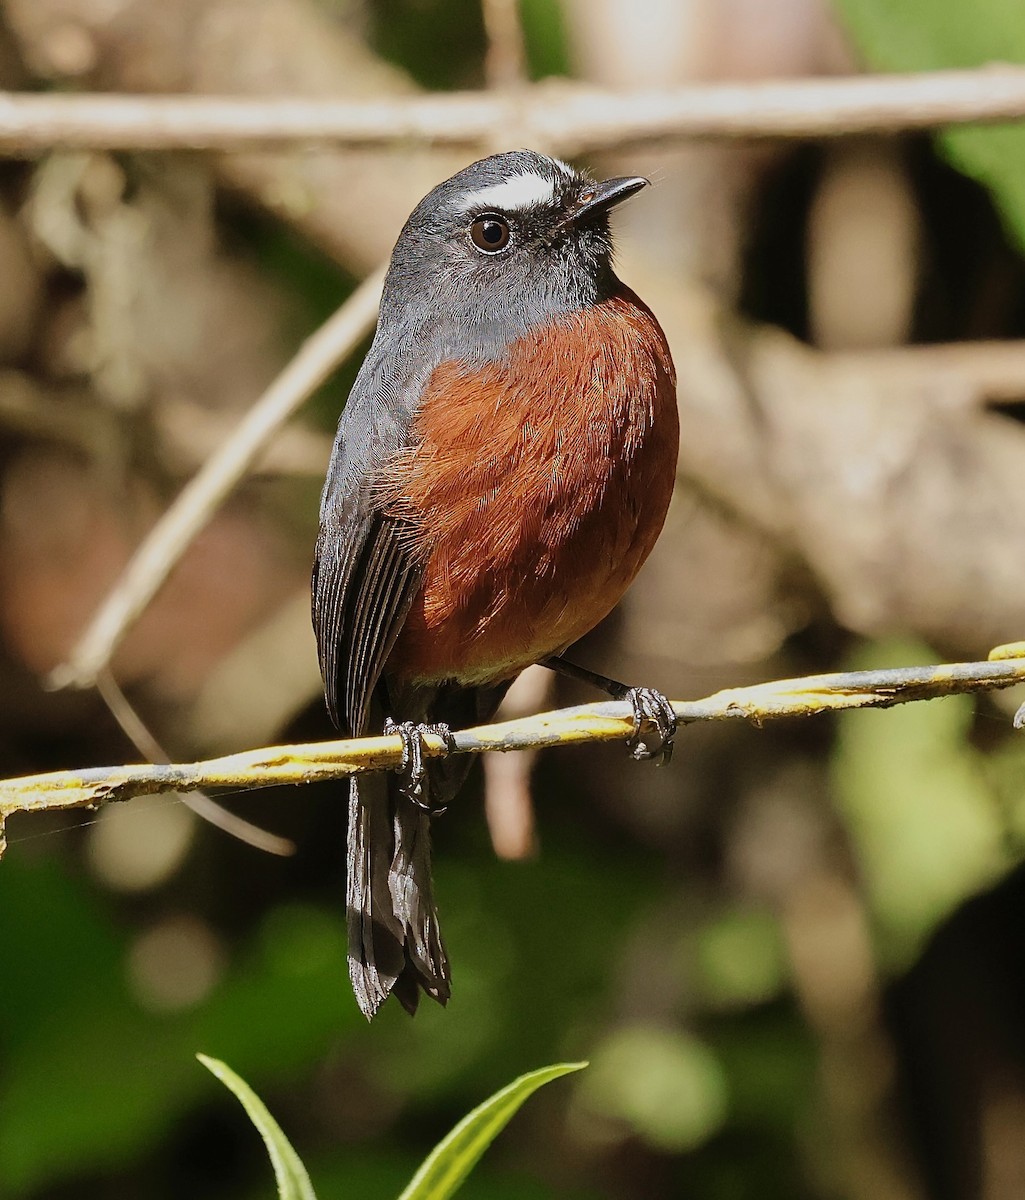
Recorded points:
412,893
394,940
395,945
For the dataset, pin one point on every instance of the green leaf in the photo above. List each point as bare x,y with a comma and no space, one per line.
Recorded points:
455,1156
293,1182
930,35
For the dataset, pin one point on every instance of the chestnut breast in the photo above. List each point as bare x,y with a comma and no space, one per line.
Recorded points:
537,486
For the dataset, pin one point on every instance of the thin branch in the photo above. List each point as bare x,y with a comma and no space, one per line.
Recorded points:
168,540
568,117
138,733
610,721
505,64
508,802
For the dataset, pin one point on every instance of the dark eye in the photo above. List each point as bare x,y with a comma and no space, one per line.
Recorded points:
490,233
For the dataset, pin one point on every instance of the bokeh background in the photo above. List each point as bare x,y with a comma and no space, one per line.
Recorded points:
795,958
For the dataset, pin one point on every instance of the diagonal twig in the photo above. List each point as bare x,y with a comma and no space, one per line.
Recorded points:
168,540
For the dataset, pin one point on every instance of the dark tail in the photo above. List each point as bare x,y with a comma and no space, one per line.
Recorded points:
394,940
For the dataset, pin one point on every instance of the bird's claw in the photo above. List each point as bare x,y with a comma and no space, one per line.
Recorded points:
655,725
412,766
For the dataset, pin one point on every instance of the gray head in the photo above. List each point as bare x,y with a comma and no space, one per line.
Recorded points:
510,240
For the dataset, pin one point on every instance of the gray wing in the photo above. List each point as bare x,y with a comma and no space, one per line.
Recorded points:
365,574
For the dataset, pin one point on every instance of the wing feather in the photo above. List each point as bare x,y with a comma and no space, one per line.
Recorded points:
386,589
366,572
360,601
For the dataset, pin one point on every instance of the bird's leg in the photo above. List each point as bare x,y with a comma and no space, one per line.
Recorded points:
655,721
412,734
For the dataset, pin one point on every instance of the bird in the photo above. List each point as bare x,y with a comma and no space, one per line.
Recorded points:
502,468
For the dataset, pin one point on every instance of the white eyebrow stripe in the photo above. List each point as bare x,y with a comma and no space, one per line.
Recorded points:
516,193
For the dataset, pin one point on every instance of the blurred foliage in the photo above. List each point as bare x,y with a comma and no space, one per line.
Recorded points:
545,34
922,35
740,959
913,793
93,1076
667,1086
439,42
90,1075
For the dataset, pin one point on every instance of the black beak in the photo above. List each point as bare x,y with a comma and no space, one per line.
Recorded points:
603,196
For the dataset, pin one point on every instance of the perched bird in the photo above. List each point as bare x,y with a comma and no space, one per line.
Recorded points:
502,469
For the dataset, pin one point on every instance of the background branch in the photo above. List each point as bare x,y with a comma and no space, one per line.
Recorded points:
570,118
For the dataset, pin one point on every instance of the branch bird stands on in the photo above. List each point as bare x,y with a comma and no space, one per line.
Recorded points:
611,721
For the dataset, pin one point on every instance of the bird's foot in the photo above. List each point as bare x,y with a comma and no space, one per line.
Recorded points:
655,725
655,721
412,734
